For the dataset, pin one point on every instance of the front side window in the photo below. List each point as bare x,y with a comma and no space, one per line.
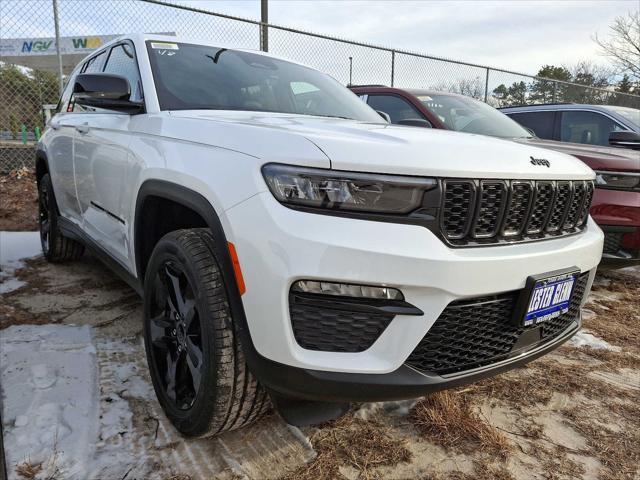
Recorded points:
587,127
464,114
397,108
541,123
631,115
122,61
190,77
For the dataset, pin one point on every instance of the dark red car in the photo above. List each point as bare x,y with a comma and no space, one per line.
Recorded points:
616,204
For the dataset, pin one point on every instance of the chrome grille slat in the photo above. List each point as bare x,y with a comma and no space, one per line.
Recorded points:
491,211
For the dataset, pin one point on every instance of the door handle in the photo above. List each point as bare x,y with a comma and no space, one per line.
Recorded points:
84,128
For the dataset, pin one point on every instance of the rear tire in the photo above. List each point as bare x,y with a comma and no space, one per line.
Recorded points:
193,350
56,247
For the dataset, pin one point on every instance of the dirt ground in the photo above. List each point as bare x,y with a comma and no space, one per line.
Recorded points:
573,414
18,201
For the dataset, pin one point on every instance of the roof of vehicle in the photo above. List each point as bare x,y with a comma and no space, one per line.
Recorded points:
554,106
608,110
412,91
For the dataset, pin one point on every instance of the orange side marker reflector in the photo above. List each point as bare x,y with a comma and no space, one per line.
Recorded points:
236,268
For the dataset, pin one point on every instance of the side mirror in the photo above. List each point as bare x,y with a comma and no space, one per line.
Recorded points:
625,139
104,90
384,115
416,122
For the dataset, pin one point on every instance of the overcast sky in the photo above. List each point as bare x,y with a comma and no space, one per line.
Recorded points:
515,35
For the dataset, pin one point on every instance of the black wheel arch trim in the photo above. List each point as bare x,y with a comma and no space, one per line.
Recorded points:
199,204
41,156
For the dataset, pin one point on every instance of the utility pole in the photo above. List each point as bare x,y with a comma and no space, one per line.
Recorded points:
56,23
264,29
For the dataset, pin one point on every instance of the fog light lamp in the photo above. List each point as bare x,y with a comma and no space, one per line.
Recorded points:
347,290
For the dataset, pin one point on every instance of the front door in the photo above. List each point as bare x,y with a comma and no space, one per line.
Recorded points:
103,164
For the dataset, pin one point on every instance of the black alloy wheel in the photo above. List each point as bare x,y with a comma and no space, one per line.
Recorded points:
195,356
176,335
55,246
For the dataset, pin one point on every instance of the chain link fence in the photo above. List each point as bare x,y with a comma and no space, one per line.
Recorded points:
31,74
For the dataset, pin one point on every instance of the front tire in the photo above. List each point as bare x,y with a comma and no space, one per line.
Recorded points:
56,247
194,353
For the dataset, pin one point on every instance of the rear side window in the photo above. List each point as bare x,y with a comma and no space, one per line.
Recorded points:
540,122
397,108
122,61
587,127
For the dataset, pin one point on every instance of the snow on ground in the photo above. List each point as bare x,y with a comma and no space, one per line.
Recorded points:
80,403
584,338
14,247
49,397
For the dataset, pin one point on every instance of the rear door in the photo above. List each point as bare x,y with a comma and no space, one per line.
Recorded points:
60,153
102,161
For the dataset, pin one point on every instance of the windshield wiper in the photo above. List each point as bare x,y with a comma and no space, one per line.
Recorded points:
327,116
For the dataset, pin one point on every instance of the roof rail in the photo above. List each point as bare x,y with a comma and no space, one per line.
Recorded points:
541,104
372,85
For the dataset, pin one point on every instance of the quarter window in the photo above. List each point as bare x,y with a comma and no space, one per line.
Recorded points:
394,106
587,127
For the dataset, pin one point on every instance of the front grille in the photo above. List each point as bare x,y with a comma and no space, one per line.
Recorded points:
476,332
330,328
612,242
491,211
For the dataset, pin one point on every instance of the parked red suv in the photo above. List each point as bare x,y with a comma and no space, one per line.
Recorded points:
616,203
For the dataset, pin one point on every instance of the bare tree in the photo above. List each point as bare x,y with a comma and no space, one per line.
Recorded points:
623,44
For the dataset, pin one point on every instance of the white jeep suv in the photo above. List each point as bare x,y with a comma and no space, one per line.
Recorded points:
294,249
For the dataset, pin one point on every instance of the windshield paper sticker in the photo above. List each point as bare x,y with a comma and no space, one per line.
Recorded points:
164,45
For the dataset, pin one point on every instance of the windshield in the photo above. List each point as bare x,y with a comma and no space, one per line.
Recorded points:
630,114
464,114
191,77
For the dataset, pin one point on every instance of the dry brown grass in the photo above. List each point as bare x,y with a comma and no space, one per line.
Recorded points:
363,445
555,462
619,321
28,470
536,383
481,471
18,201
448,419
619,451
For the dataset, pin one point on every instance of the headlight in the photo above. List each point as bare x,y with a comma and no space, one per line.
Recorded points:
345,191
617,180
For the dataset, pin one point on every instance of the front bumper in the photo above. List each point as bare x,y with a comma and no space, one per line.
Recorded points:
618,214
277,246
403,383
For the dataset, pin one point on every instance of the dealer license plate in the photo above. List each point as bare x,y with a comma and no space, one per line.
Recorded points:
550,298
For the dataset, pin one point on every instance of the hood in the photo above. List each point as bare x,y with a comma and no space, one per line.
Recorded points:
596,156
382,148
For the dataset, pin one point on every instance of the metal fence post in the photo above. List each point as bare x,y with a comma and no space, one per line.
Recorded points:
264,28
486,87
393,66
56,23
555,88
